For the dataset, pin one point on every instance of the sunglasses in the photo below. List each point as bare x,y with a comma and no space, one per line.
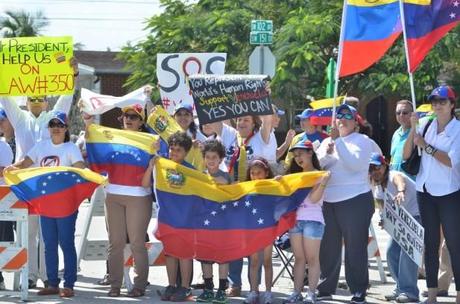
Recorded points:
347,116
55,124
36,100
401,113
441,102
132,116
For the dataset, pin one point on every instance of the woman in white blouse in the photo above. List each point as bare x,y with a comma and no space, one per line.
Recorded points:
438,183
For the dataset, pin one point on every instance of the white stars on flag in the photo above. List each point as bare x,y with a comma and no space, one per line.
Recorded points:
206,222
260,221
247,203
456,3
235,204
223,207
214,213
452,15
254,211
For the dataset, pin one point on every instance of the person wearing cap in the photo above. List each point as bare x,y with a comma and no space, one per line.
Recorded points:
310,132
403,111
348,205
438,183
31,127
308,231
56,151
128,210
183,114
400,188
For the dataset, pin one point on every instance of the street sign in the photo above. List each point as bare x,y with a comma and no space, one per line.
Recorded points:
262,61
261,38
261,26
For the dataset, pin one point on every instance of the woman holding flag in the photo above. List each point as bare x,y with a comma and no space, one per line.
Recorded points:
57,151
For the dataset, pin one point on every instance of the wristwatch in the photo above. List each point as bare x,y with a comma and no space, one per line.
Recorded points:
430,150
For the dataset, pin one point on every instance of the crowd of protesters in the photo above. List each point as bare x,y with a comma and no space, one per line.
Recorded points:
335,214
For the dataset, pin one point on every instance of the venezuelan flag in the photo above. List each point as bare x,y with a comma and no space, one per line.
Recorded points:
423,110
123,155
322,116
199,219
426,23
53,191
369,29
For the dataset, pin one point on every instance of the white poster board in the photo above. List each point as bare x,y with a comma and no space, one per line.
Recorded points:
173,70
403,228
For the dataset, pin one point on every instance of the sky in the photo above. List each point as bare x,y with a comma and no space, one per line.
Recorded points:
98,24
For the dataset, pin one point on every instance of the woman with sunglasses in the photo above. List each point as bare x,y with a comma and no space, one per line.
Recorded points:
438,183
348,205
128,210
57,151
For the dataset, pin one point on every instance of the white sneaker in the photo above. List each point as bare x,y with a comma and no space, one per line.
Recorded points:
252,298
310,298
267,298
294,298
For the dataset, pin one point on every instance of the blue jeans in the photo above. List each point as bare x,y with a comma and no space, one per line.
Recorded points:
403,270
60,231
235,268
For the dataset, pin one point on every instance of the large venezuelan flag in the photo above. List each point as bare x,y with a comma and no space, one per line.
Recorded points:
199,219
123,155
53,191
426,23
369,29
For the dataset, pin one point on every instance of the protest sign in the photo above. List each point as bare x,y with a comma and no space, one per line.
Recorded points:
221,97
94,104
403,228
174,69
36,66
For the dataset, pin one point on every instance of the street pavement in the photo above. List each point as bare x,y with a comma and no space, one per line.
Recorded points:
88,292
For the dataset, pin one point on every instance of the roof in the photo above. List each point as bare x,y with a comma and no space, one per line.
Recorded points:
102,62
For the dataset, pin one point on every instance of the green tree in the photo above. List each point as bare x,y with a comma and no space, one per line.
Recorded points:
22,24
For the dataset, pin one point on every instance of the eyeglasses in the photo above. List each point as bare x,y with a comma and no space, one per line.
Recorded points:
132,116
401,113
441,102
55,124
36,100
347,116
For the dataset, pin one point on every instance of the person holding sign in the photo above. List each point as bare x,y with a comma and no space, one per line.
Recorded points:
438,183
30,127
400,187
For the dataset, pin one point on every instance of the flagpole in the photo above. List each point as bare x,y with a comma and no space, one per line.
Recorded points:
339,59
406,48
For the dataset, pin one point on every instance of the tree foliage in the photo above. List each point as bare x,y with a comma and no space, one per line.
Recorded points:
22,24
306,36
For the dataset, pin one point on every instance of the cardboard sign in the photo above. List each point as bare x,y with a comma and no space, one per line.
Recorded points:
173,71
223,97
36,66
404,229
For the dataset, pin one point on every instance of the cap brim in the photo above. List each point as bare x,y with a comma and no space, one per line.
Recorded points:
280,112
374,162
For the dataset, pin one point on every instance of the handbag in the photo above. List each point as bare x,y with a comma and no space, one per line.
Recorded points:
412,164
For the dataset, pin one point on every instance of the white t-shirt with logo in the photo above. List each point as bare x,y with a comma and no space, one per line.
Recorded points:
47,154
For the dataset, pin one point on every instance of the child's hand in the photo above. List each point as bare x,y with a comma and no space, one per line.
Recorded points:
156,145
326,178
152,161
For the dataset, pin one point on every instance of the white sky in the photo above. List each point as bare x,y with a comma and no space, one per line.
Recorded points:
98,24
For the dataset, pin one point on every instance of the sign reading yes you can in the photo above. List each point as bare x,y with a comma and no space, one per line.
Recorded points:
221,97
35,66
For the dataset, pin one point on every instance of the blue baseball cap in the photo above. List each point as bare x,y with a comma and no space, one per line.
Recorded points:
377,159
3,114
303,144
307,113
59,115
345,106
443,92
184,106
277,110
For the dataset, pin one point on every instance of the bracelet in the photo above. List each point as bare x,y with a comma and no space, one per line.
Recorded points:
401,191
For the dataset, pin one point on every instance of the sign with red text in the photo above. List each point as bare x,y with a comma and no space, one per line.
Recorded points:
36,66
173,71
221,97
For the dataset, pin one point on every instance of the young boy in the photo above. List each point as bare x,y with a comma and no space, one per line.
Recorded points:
213,154
179,145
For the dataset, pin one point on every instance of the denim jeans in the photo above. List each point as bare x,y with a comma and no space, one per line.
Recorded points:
60,231
403,270
235,268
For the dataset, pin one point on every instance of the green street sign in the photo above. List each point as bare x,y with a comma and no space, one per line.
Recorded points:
261,38
261,26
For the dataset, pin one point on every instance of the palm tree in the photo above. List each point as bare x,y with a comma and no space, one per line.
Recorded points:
22,24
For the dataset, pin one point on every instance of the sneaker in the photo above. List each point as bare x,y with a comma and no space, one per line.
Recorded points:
234,291
294,298
404,298
310,298
323,296
182,294
252,298
104,281
207,296
441,293
358,298
167,293
392,296
267,298
220,298
2,286
33,285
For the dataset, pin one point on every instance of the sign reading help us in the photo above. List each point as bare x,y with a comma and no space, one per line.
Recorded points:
35,66
221,97
173,71
404,229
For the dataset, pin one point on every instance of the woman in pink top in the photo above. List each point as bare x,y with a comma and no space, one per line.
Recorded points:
308,231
